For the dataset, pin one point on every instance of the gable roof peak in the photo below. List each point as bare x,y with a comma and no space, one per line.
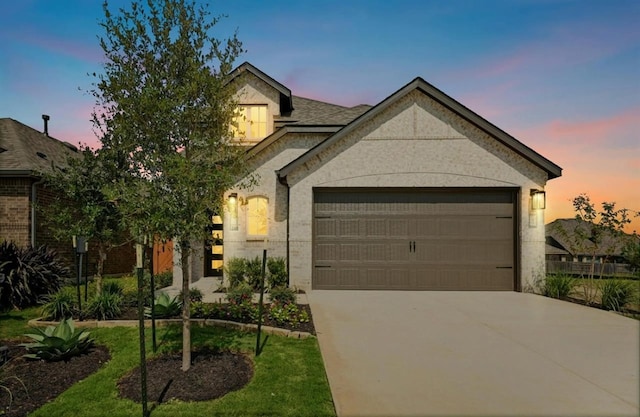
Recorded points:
286,101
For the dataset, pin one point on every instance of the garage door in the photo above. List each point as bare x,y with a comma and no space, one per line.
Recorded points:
445,239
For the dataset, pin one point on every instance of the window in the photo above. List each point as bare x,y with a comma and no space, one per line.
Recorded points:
251,123
257,210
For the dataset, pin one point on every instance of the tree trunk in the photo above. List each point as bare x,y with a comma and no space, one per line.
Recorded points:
102,255
186,315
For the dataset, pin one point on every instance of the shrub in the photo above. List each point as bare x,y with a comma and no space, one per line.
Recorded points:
254,273
240,294
277,276
105,306
61,342
235,271
200,310
558,286
163,279
616,294
165,306
287,313
112,287
282,295
60,305
30,274
195,295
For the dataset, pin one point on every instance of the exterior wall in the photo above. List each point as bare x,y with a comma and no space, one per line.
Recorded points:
255,91
285,150
15,213
416,143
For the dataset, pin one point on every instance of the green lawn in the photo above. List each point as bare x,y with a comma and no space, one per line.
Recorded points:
289,376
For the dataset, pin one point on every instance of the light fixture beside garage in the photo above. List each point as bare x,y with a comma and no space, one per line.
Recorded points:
538,199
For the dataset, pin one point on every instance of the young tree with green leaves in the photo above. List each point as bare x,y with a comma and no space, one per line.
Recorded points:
81,208
165,108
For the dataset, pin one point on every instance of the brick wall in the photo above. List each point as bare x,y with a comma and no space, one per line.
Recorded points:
15,225
14,210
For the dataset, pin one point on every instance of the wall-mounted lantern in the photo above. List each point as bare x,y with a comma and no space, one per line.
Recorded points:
538,199
233,211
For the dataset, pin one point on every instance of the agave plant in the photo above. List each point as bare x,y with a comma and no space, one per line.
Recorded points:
165,306
56,343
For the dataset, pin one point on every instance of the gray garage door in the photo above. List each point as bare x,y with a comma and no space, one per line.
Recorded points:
445,239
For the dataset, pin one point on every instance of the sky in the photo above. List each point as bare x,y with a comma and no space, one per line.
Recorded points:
561,76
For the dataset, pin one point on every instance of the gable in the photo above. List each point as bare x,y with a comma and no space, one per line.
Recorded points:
419,110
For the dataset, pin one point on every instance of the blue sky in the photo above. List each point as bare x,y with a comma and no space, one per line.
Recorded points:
562,76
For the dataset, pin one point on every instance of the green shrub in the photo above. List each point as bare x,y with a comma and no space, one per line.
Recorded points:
195,295
29,275
235,271
105,306
287,313
61,342
240,294
558,286
277,276
163,279
254,273
165,306
282,295
60,305
616,294
112,287
200,310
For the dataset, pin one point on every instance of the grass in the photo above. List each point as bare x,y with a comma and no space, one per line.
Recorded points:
289,378
594,287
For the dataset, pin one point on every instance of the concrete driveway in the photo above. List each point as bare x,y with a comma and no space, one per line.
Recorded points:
396,353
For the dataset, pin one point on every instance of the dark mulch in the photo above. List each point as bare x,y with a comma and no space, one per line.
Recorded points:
43,381
211,375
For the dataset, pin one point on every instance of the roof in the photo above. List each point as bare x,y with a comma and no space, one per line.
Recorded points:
286,104
573,236
314,113
25,151
418,84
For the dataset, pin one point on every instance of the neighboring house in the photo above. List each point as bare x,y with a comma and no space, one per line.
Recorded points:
415,193
26,153
570,240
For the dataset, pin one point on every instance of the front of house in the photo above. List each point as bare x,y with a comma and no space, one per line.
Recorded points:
414,193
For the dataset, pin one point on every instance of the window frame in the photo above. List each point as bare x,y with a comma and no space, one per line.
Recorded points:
249,216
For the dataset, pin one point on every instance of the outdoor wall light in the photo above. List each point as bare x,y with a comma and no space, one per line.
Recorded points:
538,199
233,211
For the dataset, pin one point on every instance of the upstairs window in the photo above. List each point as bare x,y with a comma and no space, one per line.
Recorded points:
250,123
257,219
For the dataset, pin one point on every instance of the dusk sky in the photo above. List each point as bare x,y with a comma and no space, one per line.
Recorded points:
561,76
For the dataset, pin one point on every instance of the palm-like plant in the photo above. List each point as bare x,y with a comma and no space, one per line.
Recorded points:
56,343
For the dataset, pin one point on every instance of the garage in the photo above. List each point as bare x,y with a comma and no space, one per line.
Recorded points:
458,239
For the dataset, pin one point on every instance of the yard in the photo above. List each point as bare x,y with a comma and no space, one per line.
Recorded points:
288,377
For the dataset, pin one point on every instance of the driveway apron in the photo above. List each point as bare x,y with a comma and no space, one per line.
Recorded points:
398,353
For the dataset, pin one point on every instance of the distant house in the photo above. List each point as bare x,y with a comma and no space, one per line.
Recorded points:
571,241
417,192
26,153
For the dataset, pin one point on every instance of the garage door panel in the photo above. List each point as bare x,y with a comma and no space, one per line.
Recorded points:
462,240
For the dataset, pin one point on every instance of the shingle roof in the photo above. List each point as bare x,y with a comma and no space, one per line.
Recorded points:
28,152
573,236
313,112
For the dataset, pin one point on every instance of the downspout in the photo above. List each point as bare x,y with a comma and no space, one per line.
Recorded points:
283,181
34,196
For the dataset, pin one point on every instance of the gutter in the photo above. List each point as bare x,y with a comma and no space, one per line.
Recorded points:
283,181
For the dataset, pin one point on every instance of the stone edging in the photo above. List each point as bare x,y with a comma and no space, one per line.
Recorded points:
247,327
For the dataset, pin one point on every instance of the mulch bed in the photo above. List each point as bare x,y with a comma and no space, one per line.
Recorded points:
210,376
43,381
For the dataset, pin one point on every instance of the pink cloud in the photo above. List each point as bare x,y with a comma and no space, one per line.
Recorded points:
77,49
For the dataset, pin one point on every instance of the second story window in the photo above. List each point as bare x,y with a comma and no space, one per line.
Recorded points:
251,123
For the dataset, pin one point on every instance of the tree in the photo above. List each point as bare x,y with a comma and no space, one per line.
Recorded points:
165,108
595,229
81,208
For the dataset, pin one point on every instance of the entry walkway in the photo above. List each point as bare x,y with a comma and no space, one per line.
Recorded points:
475,354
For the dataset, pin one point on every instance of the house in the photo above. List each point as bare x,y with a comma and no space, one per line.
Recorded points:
571,247
26,153
417,192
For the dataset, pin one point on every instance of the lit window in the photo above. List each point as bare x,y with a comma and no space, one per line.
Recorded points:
250,123
257,209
